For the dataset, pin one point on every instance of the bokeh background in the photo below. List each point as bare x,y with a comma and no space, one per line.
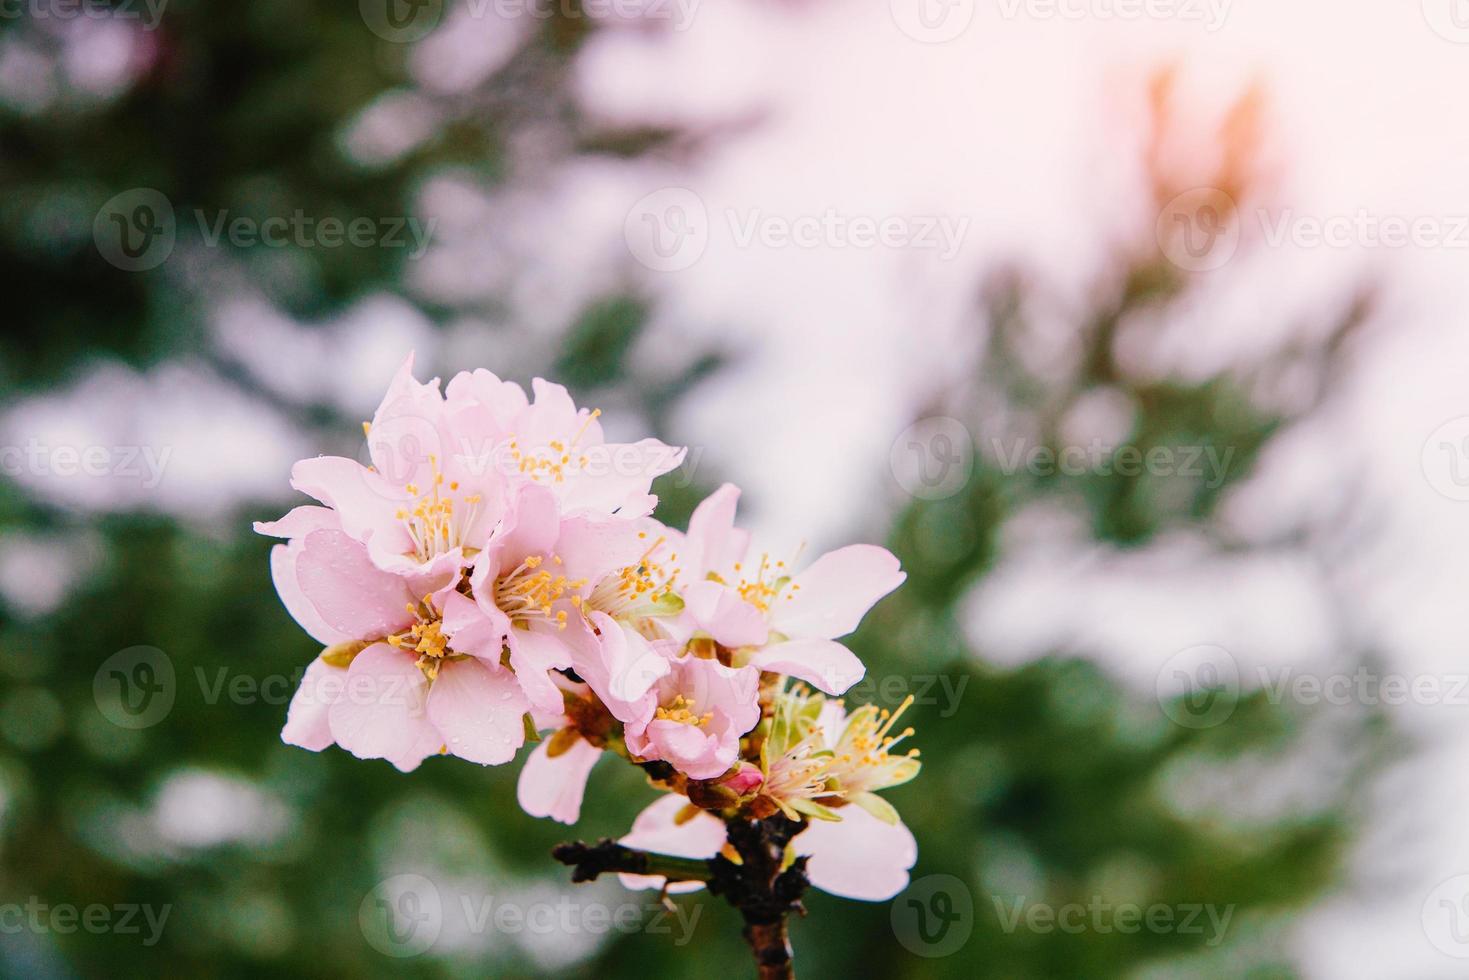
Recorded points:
872,260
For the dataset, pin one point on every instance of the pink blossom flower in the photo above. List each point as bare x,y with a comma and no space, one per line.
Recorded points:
695,716
786,622
388,687
420,510
858,857
424,568
550,441
529,587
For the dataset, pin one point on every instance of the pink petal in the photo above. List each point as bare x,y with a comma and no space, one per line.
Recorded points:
283,571
532,654
530,528
478,710
306,718
553,787
554,416
654,830
860,857
690,750
713,543
381,714
504,400
471,630
720,612
593,547
617,476
836,591
351,594
628,666
607,666
299,522
365,503
824,664
405,438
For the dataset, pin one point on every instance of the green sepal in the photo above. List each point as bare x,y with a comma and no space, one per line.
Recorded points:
877,806
342,654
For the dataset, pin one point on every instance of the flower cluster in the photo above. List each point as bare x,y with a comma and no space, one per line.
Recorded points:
492,575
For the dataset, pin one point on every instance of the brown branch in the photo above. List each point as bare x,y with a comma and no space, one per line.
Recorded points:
760,885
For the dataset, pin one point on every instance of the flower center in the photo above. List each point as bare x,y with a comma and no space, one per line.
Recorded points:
633,589
433,522
681,710
530,592
549,463
864,757
771,578
426,639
